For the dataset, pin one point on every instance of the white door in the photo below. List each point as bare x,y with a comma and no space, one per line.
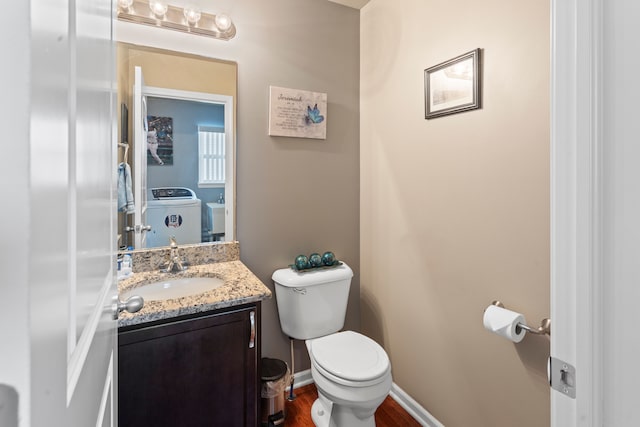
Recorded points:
72,243
140,159
58,344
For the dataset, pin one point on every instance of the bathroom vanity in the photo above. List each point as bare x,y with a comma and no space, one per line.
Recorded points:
192,360
195,371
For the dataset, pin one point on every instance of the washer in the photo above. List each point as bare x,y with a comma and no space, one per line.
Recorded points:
173,211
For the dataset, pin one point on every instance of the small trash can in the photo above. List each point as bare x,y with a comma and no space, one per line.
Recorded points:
274,382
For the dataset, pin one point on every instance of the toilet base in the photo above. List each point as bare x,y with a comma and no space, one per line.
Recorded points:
319,415
327,414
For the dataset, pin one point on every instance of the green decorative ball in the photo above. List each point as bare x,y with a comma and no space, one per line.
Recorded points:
315,260
328,258
302,262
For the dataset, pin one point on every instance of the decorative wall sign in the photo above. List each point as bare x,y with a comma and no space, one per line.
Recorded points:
159,140
453,86
297,113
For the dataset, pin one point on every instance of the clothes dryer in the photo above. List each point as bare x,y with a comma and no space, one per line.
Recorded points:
173,211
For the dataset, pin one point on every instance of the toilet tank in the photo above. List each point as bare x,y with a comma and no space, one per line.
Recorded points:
312,303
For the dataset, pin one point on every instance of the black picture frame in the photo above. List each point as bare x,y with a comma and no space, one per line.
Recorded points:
453,86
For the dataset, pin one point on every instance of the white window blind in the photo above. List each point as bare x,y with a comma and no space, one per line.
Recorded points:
211,156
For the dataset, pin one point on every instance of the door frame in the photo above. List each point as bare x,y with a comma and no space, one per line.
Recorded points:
576,207
227,102
139,119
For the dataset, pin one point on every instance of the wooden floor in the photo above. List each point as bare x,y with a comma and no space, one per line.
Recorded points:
389,414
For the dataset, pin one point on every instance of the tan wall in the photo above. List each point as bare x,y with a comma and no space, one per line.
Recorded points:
298,195
181,71
293,195
455,210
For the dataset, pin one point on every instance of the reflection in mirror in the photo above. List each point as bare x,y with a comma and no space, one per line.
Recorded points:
178,136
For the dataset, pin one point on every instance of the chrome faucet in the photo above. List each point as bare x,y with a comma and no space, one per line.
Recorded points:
175,263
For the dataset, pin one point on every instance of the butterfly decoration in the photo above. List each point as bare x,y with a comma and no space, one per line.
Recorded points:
313,115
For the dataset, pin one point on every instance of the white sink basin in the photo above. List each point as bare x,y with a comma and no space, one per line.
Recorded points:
175,288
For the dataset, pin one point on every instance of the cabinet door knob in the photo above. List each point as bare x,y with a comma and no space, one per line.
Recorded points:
132,304
252,334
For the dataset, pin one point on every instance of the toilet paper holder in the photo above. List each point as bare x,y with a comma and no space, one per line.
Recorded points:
543,329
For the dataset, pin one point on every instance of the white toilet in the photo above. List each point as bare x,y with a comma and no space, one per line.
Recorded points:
351,371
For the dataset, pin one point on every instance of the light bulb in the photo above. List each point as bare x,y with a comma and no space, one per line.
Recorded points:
223,22
192,14
125,4
159,8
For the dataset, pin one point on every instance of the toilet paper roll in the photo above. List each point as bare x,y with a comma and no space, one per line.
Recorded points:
504,322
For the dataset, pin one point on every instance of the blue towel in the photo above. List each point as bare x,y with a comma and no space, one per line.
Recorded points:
125,195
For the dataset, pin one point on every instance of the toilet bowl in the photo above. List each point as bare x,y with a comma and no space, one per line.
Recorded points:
353,377
351,371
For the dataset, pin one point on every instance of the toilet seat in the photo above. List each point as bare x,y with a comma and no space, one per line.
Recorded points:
350,358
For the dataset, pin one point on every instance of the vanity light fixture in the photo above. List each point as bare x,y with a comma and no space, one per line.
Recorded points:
190,19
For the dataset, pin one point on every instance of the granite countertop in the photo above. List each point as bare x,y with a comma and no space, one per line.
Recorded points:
241,287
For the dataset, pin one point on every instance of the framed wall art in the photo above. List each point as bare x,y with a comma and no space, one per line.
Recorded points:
159,140
453,86
297,113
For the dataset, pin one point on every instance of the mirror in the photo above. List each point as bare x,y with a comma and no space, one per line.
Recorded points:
177,134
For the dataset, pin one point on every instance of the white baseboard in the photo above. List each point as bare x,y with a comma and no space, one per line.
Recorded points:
300,379
412,407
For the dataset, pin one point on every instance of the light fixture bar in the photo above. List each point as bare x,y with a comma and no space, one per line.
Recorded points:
174,19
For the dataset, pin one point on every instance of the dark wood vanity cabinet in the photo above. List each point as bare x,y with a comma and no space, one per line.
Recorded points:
192,372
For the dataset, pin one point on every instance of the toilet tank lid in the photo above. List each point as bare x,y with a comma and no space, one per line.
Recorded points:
298,279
